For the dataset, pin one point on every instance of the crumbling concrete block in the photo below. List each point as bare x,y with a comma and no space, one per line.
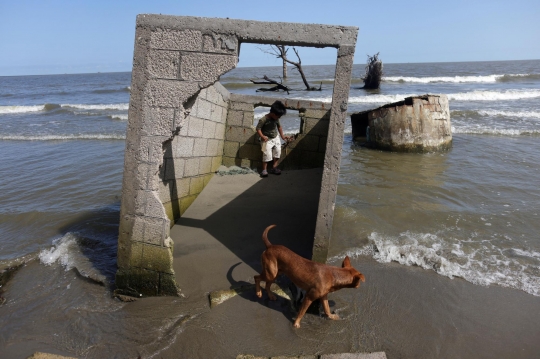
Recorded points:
417,124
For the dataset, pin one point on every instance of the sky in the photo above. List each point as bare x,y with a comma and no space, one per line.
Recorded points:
75,36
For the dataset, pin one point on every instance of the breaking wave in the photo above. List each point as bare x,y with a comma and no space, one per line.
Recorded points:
119,117
21,109
494,95
462,79
513,268
485,130
460,96
118,106
52,106
496,113
62,137
68,252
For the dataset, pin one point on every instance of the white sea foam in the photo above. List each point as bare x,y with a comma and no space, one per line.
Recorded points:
119,117
67,252
521,114
117,106
460,96
429,251
485,130
62,137
21,109
452,79
455,79
494,95
64,251
37,108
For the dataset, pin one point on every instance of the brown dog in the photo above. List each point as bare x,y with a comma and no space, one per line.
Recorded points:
315,278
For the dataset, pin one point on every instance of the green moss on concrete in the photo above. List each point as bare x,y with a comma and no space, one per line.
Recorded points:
137,282
168,285
157,258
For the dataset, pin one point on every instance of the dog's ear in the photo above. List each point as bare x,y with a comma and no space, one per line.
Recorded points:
346,262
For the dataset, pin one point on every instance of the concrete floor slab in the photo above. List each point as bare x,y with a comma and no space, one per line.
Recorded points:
217,243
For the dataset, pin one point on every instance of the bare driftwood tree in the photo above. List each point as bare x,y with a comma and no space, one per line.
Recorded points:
268,81
280,51
374,72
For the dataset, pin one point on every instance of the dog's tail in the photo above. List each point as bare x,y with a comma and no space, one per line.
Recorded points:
265,236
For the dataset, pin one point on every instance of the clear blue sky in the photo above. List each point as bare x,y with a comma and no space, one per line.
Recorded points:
55,36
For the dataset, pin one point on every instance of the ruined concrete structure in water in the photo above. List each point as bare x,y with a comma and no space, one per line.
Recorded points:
183,125
416,124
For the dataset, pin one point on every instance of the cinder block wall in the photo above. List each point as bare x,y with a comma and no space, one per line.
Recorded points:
194,155
242,147
174,142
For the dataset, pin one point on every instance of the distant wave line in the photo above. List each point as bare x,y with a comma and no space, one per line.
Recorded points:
119,117
52,106
483,130
494,113
62,137
123,89
462,79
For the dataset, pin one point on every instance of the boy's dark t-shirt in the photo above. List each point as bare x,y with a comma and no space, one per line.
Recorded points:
268,127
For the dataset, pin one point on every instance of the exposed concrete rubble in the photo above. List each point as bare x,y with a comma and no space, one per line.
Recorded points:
182,127
417,124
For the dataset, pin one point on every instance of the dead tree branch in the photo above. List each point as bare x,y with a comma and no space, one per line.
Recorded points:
280,51
268,81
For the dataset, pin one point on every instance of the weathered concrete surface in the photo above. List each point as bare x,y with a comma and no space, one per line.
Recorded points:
332,158
218,244
417,124
176,131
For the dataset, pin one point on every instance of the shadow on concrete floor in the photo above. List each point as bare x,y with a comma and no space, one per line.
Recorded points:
224,226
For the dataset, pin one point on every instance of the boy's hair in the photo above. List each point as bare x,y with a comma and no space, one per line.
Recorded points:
278,108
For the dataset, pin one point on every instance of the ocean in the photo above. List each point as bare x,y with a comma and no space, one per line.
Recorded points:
469,215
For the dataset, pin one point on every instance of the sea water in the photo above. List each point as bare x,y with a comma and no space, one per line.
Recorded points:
471,213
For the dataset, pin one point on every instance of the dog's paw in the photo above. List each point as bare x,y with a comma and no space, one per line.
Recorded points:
271,296
296,325
333,316
258,294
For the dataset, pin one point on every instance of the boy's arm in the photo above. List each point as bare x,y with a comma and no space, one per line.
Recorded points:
286,139
263,137
259,127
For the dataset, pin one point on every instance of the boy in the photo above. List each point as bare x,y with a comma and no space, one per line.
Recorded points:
267,129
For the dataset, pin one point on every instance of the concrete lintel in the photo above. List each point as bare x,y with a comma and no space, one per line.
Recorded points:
292,104
282,33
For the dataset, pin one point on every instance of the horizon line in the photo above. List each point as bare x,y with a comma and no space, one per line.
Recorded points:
278,66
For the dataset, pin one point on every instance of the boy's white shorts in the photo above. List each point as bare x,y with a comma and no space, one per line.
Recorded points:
271,149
